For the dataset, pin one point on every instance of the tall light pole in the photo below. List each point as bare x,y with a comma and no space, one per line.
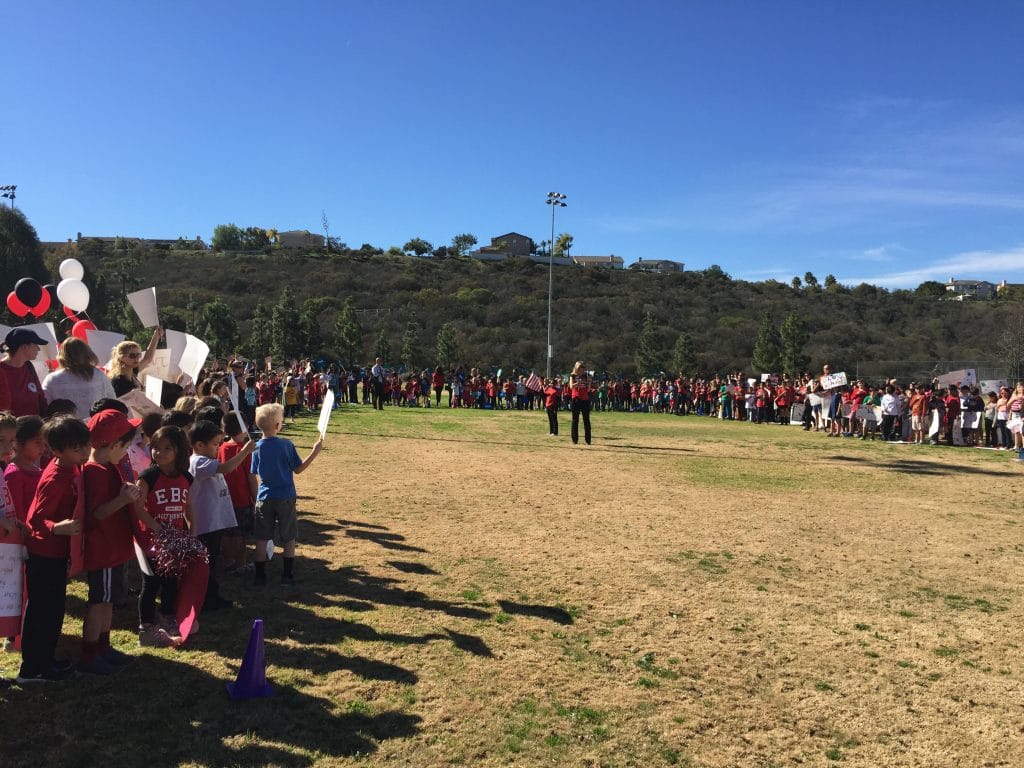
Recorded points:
8,191
555,200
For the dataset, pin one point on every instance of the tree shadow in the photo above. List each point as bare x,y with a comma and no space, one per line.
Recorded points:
917,467
204,726
410,567
549,612
386,540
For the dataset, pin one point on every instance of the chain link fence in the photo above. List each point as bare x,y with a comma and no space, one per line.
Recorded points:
905,371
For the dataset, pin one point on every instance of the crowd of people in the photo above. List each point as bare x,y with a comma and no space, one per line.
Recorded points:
90,488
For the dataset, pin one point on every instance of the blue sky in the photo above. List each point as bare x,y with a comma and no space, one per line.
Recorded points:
878,141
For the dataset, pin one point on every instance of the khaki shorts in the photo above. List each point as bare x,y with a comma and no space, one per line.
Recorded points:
275,519
917,423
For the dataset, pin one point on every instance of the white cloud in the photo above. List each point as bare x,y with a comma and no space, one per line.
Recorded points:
973,265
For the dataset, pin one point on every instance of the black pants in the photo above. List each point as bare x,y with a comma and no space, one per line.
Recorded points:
378,395
580,407
888,422
553,420
47,582
165,587
212,542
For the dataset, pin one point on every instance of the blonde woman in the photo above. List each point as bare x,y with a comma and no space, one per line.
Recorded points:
78,379
127,361
579,387
1015,405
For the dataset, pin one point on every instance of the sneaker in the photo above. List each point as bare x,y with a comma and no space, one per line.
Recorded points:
98,666
116,658
287,581
170,625
153,636
53,675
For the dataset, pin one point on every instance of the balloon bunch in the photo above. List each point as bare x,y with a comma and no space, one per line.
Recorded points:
29,297
71,291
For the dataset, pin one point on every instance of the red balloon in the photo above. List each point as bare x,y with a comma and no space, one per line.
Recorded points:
17,307
79,329
43,306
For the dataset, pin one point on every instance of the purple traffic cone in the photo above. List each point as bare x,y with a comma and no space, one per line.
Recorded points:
252,678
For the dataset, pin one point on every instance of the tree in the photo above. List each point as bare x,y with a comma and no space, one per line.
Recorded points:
220,330
831,283
348,334
260,333
810,280
382,347
20,250
226,237
793,341
286,329
446,347
462,243
1010,345
683,360
411,343
418,246
327,229
309,322
646,357
795,282
767,352
562,244
254,239
931,289
715,272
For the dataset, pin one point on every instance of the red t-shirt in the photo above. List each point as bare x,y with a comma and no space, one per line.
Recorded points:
166,502
22,484
58,497
580,388
108,542
238,478
551,397
26,393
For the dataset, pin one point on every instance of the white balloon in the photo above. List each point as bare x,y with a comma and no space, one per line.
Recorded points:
71,269
73,294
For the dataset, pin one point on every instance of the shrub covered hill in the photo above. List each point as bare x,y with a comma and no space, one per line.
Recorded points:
495,314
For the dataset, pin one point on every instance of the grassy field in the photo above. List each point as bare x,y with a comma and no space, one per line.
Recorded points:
683,592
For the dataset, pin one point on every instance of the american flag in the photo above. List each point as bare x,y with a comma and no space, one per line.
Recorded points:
534,382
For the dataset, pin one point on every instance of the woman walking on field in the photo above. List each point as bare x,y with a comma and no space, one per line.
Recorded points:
579,386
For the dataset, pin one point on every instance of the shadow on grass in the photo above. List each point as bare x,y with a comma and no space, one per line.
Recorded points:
409,567
386,540
549,612
915,467
202,726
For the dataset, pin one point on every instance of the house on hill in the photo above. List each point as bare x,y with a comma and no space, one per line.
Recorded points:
299,238
657,266
608,262
510,244
958,290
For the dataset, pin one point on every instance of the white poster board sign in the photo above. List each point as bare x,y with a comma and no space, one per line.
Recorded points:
833,380
11,560
992,385
140,405
233,396
935,426
155,389
965,376
102,344
867,413
796,414
176,343
970,419
325,413
144,304
193,357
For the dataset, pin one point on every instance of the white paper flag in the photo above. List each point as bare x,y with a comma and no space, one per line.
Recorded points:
325,413
155,389
144,304
102,344
193,358
233,395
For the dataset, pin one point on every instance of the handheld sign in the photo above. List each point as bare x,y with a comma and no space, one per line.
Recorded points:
325,413
233,394
144,304
833,380
964,376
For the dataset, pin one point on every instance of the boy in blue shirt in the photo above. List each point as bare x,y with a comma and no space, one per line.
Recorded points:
276,462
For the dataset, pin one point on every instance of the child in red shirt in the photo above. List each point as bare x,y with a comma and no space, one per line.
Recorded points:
242,485
54,517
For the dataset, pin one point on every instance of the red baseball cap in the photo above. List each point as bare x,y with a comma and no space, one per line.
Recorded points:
110,425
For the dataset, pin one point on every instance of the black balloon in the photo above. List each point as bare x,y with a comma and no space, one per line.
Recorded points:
29,291
52,290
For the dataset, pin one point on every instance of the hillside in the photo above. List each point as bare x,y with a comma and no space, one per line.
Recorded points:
499,310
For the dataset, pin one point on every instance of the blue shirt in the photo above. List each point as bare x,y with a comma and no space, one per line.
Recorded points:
275,461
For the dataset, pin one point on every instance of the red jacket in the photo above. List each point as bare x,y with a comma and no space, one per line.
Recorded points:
58,497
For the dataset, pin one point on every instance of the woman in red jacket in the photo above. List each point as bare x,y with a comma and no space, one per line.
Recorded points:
579,386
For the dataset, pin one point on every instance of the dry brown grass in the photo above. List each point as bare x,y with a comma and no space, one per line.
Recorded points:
683,592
